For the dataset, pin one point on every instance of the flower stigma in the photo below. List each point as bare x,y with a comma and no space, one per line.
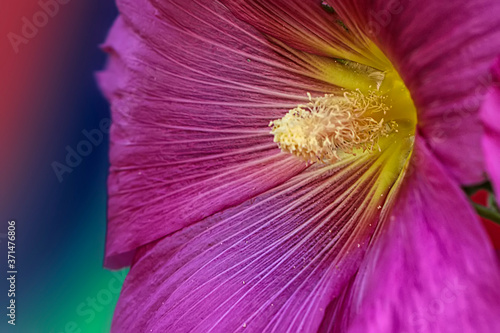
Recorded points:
332,126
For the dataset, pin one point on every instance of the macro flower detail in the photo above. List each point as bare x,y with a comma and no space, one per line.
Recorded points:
296,166
330,125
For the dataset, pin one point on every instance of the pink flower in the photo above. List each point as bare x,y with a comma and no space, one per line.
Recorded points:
225,225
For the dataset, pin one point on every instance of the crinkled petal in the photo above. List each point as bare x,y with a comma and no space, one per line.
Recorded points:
308,25
490,115
193,90
431,267
443,51
271,264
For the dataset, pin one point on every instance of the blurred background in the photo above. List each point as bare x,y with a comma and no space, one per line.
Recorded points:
51,108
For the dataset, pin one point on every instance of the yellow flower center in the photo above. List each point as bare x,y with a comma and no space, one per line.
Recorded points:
333,125
349,122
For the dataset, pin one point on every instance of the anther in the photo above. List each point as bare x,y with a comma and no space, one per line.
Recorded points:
329,127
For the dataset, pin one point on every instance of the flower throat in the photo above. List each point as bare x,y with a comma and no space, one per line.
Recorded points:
349,122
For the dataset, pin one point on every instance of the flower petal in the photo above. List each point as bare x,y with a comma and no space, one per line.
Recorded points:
336,318
308,25
443,51
431,267
490,115
272,263
193,90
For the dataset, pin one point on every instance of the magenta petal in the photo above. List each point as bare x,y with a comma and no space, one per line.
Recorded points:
336,318
192,90
271,263
431,267
490,115
443,51
306,25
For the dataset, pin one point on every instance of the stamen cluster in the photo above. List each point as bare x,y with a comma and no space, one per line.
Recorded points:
333,125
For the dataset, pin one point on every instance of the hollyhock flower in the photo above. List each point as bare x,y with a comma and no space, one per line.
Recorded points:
296,166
